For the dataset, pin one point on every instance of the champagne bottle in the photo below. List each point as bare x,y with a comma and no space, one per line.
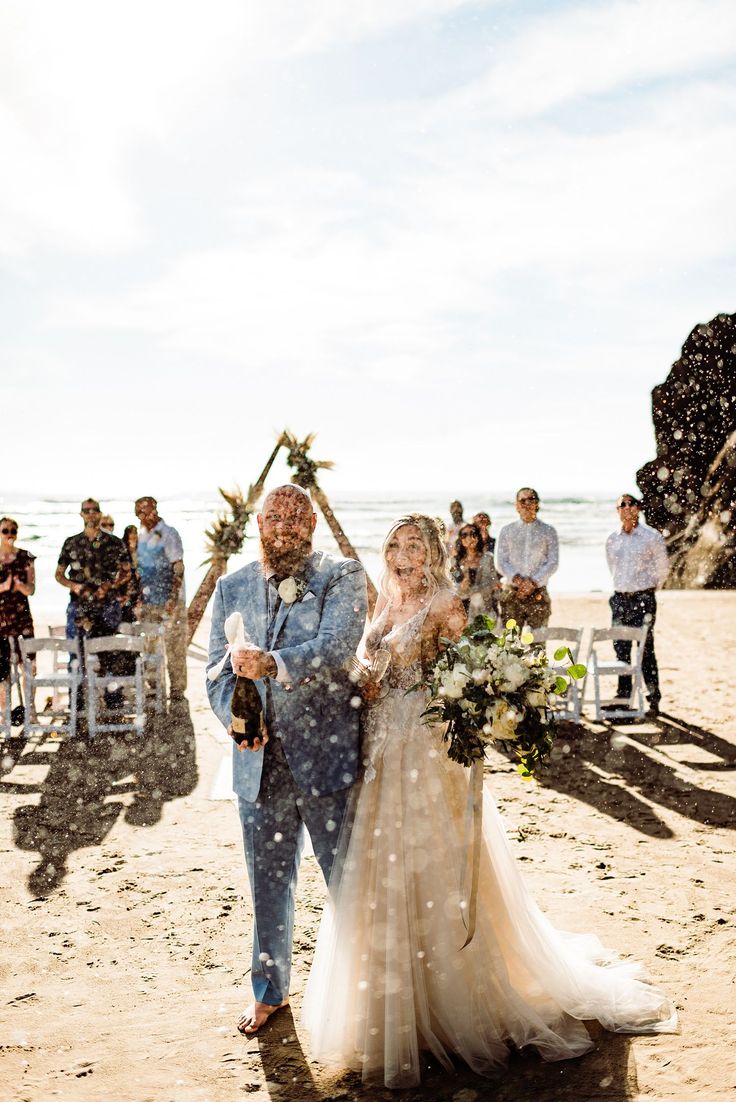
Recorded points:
246,712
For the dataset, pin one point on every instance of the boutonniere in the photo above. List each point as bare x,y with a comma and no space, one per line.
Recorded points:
292,589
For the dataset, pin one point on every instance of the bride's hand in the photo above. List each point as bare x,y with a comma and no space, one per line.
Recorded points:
370,690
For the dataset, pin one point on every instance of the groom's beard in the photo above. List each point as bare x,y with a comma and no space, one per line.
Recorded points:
284,560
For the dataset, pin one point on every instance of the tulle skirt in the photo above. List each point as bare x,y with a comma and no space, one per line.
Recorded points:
390,980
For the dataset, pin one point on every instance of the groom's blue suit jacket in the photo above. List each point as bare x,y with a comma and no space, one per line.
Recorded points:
314,712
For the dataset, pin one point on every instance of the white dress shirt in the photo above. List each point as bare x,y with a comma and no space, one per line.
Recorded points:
528,549
637,559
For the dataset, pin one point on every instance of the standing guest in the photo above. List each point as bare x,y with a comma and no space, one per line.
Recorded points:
527,556
637,559
130,592
474,573
92,565
17,584
456,523
483,521
161,573
107,524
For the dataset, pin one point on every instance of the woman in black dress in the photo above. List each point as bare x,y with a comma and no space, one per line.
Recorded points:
17,584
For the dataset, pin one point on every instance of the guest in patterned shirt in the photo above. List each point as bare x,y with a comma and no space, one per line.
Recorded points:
92,565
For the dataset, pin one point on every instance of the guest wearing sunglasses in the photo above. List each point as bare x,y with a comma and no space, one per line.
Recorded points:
93,566
483,521
474,573
527,556
17,584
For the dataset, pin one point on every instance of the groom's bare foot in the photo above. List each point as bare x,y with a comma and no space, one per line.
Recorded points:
256,1016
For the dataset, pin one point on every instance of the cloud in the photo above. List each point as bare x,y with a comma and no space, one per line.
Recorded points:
589,50
403,267
318,26
84,85
333,267
79,83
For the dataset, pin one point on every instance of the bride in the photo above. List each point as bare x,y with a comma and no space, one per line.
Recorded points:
390,980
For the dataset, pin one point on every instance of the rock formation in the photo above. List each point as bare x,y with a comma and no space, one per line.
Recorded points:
689,490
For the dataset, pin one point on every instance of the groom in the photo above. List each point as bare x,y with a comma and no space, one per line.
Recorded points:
304,613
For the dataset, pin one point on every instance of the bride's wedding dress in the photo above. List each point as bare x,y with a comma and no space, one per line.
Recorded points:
389,978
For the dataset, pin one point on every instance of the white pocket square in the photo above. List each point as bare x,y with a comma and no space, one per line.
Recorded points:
308,596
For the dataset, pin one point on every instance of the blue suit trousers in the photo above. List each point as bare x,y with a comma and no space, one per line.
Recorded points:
273,838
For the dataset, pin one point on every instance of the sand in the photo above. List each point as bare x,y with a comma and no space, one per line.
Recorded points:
126,922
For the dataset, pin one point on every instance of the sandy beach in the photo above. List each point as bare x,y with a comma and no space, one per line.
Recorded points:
125,956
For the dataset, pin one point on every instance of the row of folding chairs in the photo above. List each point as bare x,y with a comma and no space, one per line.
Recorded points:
54,663
601,668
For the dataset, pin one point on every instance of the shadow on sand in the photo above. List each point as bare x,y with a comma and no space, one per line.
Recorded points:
82,794
607,1072
612,773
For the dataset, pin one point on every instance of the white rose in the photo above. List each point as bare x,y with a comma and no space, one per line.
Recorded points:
513,676
505,721
454,681
536,699
287,591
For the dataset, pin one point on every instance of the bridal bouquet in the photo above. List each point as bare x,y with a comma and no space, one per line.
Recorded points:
491,688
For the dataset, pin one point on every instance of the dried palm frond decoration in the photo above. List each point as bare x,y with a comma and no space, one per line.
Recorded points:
305,475
225,538
227,535
304,467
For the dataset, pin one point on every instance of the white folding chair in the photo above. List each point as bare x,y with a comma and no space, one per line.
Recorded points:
569,705
155,650
60,662
64,676
98,681
599,666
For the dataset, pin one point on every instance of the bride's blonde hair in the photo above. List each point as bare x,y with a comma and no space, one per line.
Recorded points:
436,571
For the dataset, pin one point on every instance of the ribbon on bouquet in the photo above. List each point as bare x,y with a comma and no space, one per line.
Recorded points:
474,828
237,639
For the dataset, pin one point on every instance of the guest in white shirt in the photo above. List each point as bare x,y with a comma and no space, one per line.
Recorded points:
637,559
527,554
161,573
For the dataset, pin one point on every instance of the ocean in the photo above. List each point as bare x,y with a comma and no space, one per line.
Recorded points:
582,524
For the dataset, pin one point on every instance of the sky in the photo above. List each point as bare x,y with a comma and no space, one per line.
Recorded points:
461,242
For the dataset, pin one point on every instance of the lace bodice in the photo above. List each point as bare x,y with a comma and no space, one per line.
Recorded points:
397,712
404,642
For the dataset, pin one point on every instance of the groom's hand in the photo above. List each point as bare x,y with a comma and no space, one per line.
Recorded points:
255,745
254,663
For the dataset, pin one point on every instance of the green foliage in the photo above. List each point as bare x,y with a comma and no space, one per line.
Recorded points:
496,688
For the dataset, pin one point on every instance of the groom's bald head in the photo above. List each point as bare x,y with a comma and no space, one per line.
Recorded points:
289,491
